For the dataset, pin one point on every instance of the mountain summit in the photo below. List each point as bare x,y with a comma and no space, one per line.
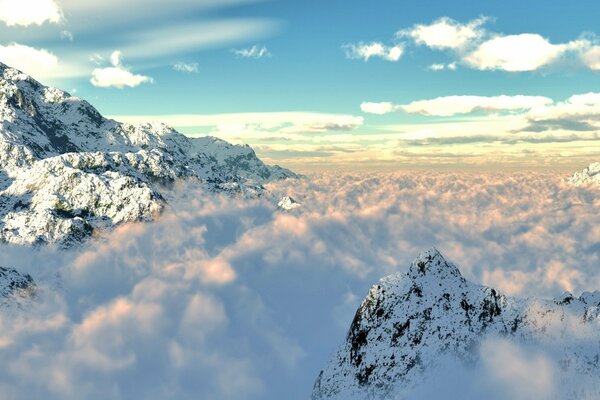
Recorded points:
65,170
591,174
409,321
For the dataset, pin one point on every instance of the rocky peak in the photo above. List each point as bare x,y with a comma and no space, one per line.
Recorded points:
13,283
431,265
408,321
591,174
65,170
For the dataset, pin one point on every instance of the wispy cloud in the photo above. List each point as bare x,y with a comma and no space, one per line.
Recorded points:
284,122
186,67
255,52
365,51
460,104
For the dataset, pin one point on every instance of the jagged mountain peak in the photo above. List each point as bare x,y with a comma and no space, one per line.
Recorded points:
431,264
65,170
590,174
409,321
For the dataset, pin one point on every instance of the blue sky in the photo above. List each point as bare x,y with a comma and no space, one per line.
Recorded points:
307,60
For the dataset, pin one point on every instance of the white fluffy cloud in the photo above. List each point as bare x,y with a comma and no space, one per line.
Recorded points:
365,51
29,12
476,47
591,58
255,52
117,75
206,302
445,33
30,60
517,53
462,104
377,108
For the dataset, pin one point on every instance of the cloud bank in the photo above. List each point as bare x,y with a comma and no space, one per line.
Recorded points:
228,298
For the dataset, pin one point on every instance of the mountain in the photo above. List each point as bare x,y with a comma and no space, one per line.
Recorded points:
409,321
66,171
13,283
287,203
590,174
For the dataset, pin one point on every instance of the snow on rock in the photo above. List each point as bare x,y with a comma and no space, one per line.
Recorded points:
287,203
65,170
408,321
591,174
13,283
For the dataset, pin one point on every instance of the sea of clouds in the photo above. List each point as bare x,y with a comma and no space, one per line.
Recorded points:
230,298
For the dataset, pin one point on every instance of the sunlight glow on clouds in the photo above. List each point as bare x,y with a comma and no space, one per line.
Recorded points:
117,76
29,12
205,302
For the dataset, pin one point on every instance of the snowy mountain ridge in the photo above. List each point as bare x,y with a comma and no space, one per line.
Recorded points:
591,174
65,170
408,321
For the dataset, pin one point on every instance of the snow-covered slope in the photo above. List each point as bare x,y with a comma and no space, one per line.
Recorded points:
408,321
65,170
13,283
591,174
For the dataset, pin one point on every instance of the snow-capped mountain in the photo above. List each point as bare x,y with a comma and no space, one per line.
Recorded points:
408,321
591,174
288,203
65,170
13,283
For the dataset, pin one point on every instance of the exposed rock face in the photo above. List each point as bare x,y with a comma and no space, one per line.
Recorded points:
409,320
65,170
591,174
13,283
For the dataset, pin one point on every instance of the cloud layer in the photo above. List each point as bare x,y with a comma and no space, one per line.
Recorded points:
229,298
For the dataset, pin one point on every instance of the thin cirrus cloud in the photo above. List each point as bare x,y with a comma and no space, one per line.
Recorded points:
186,67
117,75
30,12
255,124
366,51
254,52
462,104
476,47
